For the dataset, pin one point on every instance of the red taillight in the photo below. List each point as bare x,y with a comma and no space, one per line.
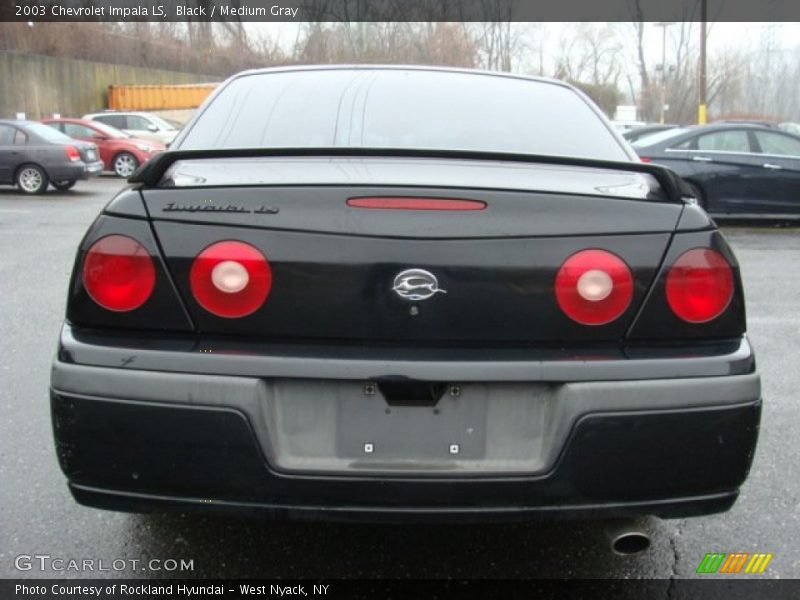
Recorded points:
231,279
699,285
118,273
399,203
73,154
645,159
594,287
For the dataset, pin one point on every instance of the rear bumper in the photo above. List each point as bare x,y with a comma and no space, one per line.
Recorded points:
78,170
142,440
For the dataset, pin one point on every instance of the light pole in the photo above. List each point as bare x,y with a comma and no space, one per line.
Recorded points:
663,25
701,107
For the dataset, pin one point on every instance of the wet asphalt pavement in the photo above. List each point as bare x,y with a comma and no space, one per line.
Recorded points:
38,238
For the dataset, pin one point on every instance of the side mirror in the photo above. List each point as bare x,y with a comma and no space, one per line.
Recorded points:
152,128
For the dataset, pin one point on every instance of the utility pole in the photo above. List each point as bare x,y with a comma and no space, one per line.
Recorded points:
702,118
663,25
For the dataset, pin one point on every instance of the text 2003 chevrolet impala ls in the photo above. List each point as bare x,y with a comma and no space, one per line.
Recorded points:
405,292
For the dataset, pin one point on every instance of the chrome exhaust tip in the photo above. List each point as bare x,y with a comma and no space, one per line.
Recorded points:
627,537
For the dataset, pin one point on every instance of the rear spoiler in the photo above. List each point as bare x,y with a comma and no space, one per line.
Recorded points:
151,173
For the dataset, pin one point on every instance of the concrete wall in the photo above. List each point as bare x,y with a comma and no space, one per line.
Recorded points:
41,85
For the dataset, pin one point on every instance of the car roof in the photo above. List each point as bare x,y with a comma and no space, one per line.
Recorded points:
387,67
690,130
86,122
749,121
714,127
721,126
657,125
117,112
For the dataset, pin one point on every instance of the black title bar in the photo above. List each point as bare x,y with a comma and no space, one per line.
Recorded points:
731,588
396,10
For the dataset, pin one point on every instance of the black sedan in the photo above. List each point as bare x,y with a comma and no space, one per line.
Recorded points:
732,168
33,155
347,293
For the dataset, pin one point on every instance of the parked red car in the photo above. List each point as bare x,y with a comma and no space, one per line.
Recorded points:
119,152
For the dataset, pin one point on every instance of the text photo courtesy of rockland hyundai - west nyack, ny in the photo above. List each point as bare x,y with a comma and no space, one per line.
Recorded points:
399,300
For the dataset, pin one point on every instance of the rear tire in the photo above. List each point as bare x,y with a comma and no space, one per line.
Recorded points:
32,179
63,186
124,164
698,194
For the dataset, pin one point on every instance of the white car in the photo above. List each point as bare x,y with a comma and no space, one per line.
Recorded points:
793,128
141,125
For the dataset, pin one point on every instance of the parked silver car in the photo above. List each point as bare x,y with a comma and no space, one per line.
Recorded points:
142,125
33,155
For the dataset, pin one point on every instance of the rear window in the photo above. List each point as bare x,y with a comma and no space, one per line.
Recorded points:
110,131
163,124
116,121
405,109
137,122
658,137
775,143
724,141
46,133
77,130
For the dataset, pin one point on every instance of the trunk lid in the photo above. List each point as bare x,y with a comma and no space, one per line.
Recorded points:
335,267
87,150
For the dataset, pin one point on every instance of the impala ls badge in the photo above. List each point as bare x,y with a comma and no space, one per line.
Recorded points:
416,284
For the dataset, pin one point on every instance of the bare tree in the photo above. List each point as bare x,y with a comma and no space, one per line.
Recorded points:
647,94
411,43
500,44
590,53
